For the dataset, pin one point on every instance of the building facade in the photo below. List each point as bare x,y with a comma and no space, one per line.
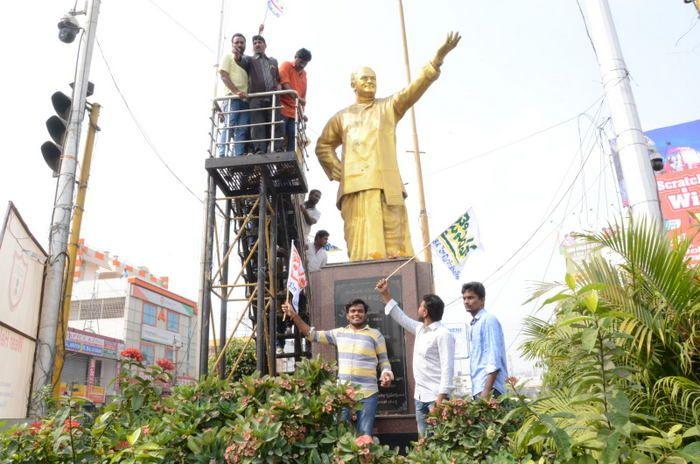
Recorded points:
91,364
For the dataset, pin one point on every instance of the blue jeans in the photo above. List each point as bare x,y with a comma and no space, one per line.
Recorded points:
240,134
422,410
289,132
365,416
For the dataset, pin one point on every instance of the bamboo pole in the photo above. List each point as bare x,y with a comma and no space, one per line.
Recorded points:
423,214
73,249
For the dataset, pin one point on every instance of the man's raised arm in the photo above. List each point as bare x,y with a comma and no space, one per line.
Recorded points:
393,310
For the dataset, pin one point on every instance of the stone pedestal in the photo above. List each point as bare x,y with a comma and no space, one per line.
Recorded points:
336,285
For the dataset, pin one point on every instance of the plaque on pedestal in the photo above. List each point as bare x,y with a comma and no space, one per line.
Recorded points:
336,285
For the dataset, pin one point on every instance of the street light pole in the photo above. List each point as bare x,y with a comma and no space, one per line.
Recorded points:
63,208
631,144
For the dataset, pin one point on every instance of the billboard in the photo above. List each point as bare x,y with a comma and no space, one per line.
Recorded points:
678,183
21,279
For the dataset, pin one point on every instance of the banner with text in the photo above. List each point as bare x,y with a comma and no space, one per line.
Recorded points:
678,183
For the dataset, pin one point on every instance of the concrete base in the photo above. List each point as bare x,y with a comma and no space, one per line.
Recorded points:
336,285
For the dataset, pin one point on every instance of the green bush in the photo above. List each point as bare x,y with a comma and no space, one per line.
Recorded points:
246,364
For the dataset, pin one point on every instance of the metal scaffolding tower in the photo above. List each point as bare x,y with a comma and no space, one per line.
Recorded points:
254,200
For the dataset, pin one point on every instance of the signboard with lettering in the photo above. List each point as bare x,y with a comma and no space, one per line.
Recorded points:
21,279
92,345
392,400
158,335
161,300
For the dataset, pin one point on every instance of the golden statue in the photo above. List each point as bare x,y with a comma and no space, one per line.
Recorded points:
371,194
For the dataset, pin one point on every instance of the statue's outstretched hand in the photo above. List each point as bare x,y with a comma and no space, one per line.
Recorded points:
450,43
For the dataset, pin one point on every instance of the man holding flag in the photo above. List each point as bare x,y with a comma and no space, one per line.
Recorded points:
360,350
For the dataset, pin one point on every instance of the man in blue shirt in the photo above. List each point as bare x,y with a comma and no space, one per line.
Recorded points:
487,350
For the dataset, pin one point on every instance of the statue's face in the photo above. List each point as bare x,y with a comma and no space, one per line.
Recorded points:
364,82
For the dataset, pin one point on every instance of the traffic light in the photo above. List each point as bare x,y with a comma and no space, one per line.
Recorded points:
57,126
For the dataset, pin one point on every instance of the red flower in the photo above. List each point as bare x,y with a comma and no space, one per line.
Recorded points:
69,424
363,440
35,427
121,445
165,364
132,353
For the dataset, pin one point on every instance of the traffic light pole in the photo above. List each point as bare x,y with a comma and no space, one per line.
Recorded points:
63,207
76,223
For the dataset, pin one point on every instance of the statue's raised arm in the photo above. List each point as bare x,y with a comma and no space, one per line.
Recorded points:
450,44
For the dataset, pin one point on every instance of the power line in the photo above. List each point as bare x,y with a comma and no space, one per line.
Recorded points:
547,216
588,33
140,127
519,140
182,26
544,221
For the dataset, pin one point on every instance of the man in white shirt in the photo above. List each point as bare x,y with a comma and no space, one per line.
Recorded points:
433,351
310,215
316,256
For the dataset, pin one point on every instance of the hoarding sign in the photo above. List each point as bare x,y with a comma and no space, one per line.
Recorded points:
21,279
678,183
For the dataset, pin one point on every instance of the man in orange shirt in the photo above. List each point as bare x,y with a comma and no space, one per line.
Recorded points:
293,77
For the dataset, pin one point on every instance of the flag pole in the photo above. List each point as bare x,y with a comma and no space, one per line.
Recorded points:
413,258
423,214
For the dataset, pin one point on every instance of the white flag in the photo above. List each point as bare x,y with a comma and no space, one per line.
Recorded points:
296,281
275,7
456,242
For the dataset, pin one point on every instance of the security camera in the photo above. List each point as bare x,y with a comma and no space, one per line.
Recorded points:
657,162
68,28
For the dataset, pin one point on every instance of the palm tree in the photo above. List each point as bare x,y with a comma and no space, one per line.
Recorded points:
622,346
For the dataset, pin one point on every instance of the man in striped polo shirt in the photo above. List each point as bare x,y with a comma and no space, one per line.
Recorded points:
360,349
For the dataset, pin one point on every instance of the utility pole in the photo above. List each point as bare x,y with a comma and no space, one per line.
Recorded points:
63,207
209,225
423,214
76,223
631,143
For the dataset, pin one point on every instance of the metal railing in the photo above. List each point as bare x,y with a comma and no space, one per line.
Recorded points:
263,127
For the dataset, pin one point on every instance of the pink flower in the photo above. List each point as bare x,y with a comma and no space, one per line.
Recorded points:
364,440
512,380
132,353
165,364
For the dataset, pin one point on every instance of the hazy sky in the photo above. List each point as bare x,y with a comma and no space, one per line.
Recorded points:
521,67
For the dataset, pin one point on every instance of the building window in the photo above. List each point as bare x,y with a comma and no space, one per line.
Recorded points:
149,352
173,322
169,354
149,314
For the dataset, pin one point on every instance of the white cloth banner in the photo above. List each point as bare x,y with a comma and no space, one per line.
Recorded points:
296,281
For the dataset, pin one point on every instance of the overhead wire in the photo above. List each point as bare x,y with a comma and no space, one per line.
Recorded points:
140,128
588,33
182,26
544,221
519,140
551,212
